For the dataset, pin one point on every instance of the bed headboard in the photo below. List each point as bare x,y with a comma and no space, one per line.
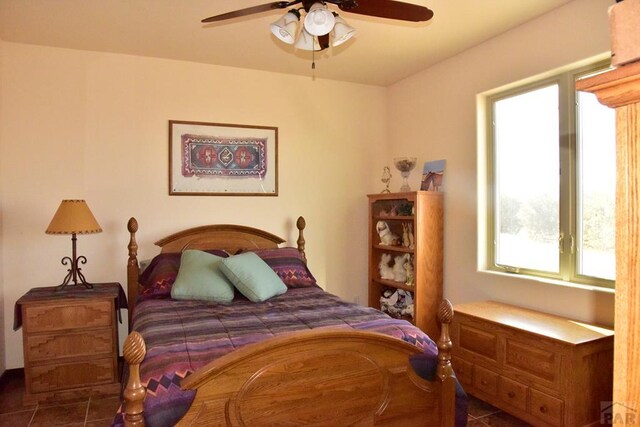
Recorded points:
229,237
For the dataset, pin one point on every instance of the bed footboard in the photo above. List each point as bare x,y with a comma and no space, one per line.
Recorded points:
313,377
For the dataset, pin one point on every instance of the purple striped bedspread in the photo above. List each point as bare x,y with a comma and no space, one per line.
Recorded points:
182,336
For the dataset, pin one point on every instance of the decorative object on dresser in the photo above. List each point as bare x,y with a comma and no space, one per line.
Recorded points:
73,217
405,165
70,341
421,213
544,369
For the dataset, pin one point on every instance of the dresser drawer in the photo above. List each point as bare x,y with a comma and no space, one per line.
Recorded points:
45,378
535,359
546,407
512,393
479,342
485,380
59,346
463,370
70,315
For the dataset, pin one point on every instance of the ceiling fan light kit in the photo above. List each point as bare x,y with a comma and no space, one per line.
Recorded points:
285,28
319,20
342,31
306,41
320,23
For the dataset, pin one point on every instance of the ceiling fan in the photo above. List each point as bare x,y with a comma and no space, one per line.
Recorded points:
320,21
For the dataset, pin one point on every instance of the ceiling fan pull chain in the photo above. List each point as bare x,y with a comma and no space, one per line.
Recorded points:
313,55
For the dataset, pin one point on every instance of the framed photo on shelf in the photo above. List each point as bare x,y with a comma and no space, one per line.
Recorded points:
433,176
215,159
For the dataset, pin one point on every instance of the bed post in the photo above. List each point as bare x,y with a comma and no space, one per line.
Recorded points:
301,224
133,269
444,370
134,352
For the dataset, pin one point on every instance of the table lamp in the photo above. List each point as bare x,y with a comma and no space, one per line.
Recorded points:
74,217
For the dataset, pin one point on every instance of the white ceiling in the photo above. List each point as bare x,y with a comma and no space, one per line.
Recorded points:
383,52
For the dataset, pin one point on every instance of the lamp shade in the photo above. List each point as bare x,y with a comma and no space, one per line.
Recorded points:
342,31
73,217
306,41
285,27
319,21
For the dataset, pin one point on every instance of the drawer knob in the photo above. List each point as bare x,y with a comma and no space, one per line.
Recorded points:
544,409
483,382
511,395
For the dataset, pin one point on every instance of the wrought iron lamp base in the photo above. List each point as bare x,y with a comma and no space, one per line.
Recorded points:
74,272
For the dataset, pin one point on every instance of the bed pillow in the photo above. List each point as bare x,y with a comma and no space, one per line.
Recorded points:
200,278
288,265
252,277
160,274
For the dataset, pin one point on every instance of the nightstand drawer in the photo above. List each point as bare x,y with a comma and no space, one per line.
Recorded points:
68,315
58,346
66,376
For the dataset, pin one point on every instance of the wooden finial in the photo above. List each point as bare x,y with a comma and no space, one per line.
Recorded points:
134,351
133,269
301,224
445,316
445,312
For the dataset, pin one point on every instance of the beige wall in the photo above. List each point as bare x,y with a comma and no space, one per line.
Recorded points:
94,126
432,115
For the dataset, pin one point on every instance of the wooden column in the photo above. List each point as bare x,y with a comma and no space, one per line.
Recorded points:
620,89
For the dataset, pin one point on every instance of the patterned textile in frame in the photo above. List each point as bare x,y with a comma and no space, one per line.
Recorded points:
223,156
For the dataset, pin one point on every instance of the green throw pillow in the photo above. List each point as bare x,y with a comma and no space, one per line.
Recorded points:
199,277
252,277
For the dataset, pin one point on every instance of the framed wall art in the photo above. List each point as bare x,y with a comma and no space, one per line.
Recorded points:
214,159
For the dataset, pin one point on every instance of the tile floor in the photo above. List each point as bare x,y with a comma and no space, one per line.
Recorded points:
481,414
99,412
90,412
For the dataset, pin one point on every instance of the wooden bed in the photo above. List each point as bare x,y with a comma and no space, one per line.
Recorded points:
317,377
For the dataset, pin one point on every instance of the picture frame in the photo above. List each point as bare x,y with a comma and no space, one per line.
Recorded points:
433,176
219,159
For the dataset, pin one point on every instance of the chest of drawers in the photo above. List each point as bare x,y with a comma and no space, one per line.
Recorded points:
70,342
544,369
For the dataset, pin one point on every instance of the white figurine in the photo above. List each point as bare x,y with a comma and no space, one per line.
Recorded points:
387,238
386,272
399,273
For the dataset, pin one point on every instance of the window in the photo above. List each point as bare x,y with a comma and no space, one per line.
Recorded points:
551,173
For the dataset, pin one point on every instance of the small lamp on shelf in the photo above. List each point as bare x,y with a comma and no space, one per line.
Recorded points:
73,217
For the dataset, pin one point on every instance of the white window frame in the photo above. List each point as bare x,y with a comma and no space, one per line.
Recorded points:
568,123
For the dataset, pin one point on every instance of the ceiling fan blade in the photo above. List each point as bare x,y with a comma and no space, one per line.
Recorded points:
389,9
323,41
250,11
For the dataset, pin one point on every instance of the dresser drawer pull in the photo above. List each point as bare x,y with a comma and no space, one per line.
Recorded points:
544,409
483,382
511,395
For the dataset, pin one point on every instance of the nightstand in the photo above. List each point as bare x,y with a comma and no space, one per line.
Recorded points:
70,341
